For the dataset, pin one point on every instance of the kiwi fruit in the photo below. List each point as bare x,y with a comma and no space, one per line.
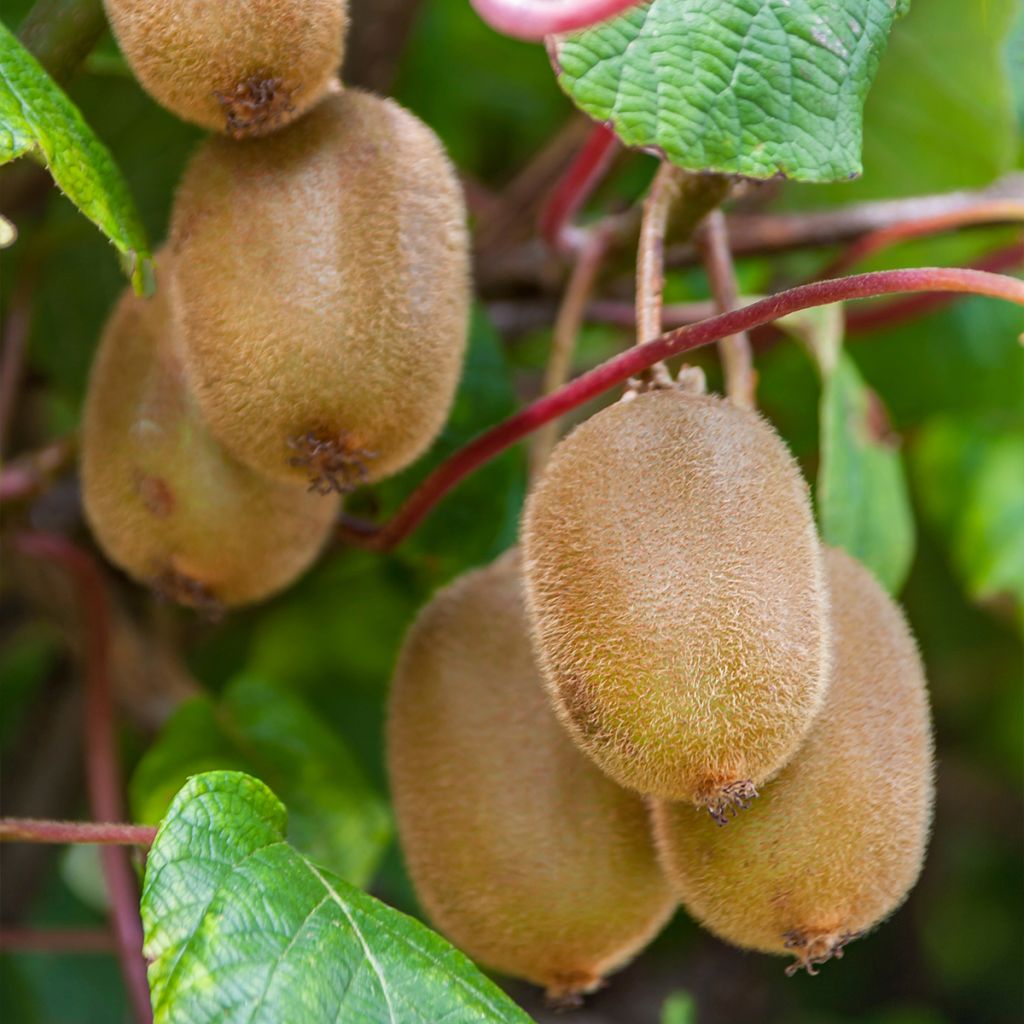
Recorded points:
836,840
521,851
674,582
244,68
164,500
323,282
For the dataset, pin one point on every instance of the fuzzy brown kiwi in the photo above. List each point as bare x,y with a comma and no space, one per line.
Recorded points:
521,851
836,841
324,290
674,582
244,68
163,498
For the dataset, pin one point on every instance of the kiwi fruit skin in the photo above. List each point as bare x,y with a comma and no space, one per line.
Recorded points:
241,68
521,851
164,500
675,586
324,290
837,839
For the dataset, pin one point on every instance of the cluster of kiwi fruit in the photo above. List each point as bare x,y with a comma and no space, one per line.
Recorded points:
670,650
310,317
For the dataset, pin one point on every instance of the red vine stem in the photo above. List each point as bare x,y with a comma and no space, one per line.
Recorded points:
102,774
634,360
580,179
535,19
38,830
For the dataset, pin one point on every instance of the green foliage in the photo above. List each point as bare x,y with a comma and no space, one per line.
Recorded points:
336,817
970,478
239,925
739,86
37,117
679,1008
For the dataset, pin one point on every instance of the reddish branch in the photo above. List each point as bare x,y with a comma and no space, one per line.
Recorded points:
633,361
31,473
574,188
103,780
535,19
36,830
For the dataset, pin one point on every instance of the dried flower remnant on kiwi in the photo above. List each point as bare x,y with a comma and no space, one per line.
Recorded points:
256,104
813,951
183,589
727,801
334,465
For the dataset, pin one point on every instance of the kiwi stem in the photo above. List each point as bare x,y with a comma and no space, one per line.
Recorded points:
580,179
664,192
631,362
567,327
38,830
535,19
735,353
103,782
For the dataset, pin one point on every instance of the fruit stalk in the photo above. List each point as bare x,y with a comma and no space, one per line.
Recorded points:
737,361
684,339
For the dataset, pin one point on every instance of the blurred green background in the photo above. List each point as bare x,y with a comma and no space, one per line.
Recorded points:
946,113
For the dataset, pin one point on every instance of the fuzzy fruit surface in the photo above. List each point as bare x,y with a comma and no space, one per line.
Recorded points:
244,67
521,851
836,841
163,498
324,290
675,587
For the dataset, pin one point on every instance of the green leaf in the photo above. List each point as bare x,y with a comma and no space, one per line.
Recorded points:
239,926
337,818
970,479
36,116
679,1008
863,503
940,115
754,87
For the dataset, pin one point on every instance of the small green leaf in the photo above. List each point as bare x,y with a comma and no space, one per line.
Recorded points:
337,818
970,479
754,87
240,926
679,1008
863,504
36,116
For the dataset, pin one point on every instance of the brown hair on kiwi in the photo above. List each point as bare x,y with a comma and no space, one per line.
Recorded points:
240,68
324,291
521,851
837,840
674,582
165,501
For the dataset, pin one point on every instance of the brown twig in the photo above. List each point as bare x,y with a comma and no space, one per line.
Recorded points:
37,830
102,771
563,340
31,473
16,329
737,360
60,33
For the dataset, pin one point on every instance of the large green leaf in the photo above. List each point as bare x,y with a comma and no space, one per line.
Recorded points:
970,478
337,818
239,926
754,87
37,117
940,115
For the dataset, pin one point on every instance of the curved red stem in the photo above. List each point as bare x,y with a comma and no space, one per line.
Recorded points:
535,19
38,830
625,365
102,772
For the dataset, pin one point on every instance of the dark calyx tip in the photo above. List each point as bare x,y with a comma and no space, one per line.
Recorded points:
333,464
812,951
254,105
727,802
